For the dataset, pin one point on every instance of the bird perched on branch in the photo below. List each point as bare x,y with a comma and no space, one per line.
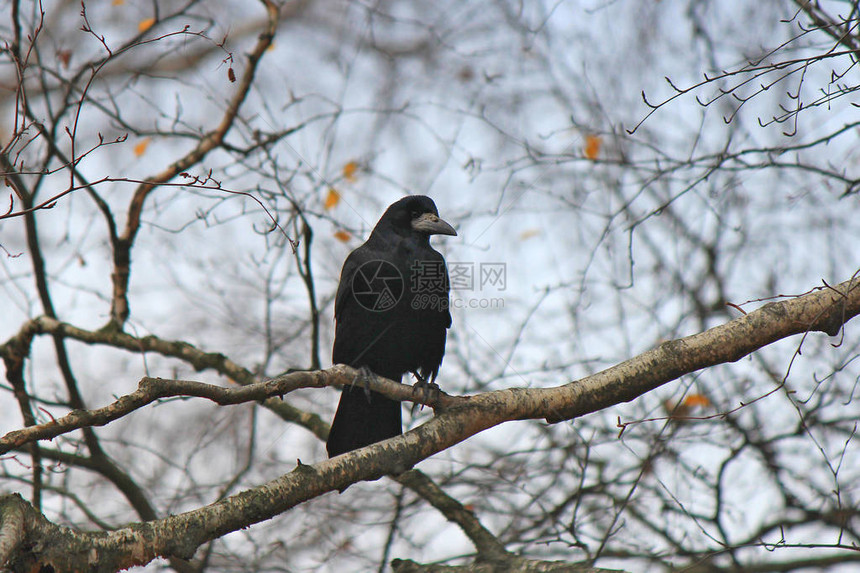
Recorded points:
392,317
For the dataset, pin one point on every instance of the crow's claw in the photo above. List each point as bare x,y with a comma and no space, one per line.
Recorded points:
363,378
429,391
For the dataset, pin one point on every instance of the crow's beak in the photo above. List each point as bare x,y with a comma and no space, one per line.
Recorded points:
431,224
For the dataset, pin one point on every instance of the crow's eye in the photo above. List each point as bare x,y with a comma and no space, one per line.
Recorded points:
416,214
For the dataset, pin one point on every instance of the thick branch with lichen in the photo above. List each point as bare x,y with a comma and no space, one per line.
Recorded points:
826,309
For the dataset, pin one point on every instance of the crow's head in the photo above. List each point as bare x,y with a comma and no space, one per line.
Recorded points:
415,214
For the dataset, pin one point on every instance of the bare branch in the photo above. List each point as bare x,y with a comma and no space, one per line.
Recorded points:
826,309
124,244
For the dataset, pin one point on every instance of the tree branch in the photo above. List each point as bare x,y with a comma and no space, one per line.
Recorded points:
198,359
124,243
825,309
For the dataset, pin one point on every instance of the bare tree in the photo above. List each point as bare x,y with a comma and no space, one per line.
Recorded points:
651,366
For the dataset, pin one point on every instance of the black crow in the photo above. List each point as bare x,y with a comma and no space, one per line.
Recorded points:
392,318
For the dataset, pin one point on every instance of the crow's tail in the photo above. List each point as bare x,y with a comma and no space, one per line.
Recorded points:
361,420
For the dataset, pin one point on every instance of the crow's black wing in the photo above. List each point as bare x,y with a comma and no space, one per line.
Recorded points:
362,417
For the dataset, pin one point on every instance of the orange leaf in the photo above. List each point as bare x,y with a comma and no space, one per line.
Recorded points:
592,146
332,199
694,400
145,25
65,56
529,233
342,236
349,171
676,412
118,2
141,146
